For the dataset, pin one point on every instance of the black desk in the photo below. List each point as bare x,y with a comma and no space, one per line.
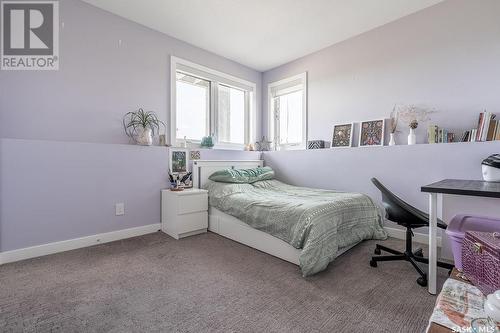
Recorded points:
477,188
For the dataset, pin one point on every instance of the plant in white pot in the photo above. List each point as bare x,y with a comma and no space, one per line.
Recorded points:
141,126
412,115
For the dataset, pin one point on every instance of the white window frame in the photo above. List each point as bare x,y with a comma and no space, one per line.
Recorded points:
216,78
273,125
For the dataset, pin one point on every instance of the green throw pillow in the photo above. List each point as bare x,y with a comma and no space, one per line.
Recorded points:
242,176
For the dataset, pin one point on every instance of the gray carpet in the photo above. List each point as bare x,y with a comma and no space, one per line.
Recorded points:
207,283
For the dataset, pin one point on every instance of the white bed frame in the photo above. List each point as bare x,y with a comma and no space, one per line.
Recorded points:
233,228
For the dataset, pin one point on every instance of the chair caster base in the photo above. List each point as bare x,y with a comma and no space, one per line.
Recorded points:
377,251
373,263
422,281
419,253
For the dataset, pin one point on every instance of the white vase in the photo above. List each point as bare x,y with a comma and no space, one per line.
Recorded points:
412,138
392,142
145,137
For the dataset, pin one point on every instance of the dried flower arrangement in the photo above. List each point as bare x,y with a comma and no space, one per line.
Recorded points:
393,123
412,114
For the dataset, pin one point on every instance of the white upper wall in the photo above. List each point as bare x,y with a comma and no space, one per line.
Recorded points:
263,34
446,56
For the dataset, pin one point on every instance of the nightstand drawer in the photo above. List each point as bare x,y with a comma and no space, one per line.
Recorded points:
191,222
192,203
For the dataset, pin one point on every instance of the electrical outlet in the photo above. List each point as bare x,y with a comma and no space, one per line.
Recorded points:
119,209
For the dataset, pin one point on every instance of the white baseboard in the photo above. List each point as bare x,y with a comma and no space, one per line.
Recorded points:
418,238
76,243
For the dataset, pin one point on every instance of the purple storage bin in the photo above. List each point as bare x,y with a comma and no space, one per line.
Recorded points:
461,223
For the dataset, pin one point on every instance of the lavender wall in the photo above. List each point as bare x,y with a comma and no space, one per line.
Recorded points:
99,80
446,56
403,169
64,160
53,191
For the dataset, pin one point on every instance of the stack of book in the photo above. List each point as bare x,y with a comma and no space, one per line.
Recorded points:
439,135
488,129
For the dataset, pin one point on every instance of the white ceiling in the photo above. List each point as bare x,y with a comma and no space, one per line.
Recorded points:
263,34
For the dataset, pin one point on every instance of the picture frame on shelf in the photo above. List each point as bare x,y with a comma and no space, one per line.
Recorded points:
371,133
178,160
342,136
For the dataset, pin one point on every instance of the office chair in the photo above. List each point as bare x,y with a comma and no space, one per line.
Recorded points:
409,217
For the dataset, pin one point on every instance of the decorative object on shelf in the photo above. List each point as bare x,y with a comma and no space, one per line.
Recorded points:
491,168
162,140
141,126
207,142
412,138
263,145
393,124
249,147
178,160
412,115
195,154
371,133
185,142
316,144
342,135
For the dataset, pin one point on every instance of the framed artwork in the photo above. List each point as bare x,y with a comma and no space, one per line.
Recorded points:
195,154
342,135
179,159
371,133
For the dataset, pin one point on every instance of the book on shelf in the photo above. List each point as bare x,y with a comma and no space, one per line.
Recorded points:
432,134
439,135
486,126
488,129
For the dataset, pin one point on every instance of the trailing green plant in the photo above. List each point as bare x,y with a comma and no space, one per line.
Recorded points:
136,121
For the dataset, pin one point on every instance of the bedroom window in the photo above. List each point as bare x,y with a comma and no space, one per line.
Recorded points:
288,106
231,115
207,102
193,106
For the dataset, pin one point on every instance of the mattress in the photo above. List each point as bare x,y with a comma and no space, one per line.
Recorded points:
319,222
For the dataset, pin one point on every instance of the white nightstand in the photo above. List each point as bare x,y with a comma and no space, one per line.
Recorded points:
184,213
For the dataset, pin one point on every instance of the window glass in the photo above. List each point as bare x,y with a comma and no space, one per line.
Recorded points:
231,115
193,107
290,118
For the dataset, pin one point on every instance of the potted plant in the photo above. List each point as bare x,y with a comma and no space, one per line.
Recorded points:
141,126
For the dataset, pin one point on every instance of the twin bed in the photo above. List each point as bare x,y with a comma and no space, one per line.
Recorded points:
307,227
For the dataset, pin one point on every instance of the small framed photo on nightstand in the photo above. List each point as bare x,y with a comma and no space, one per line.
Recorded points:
178,160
